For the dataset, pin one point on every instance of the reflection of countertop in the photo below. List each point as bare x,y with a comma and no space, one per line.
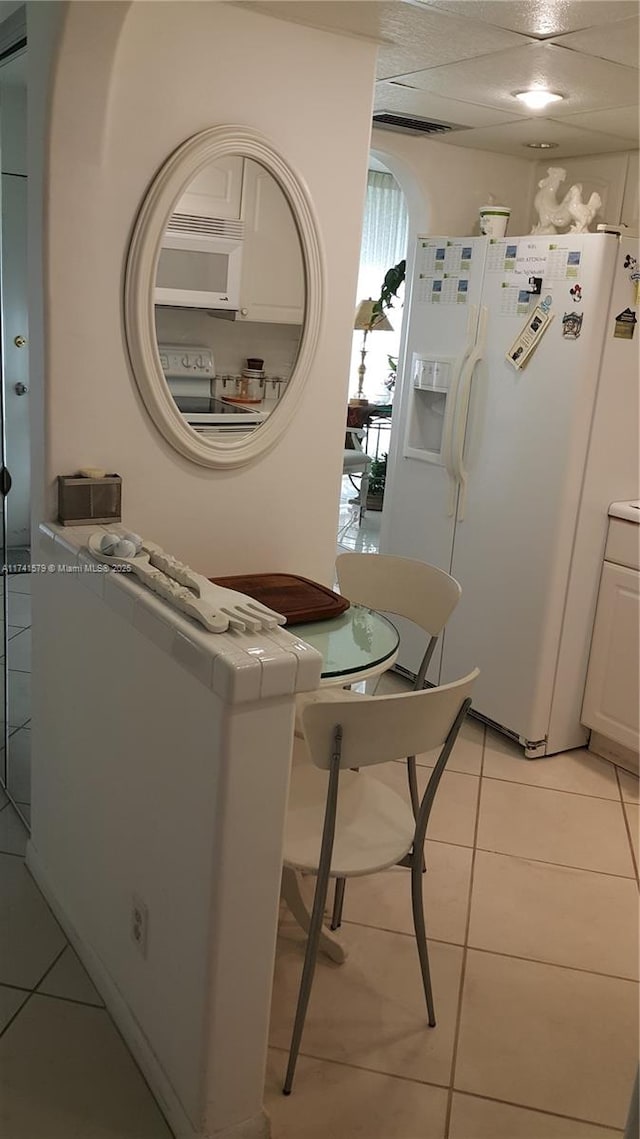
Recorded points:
265,406
628,510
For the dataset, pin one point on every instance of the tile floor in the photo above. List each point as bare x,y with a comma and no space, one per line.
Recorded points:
532,913
531,901
19,634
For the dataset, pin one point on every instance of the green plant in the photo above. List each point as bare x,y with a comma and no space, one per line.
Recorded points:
377,476
390,381
393,279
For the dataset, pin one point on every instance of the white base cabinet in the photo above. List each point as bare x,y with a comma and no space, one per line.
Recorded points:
611,693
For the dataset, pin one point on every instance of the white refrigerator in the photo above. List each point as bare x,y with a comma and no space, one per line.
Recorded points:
515,425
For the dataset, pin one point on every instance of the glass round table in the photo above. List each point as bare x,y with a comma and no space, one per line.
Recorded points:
357,644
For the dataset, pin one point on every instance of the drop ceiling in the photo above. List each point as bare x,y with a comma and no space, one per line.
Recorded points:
460,61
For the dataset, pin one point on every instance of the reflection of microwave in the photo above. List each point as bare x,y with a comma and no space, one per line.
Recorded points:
200,263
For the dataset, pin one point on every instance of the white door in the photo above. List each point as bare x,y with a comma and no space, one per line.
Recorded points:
16,356
420,495
525,451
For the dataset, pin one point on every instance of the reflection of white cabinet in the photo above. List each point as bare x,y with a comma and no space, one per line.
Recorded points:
216,191
272,284
611,694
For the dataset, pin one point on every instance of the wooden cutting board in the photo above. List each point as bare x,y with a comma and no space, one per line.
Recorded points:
297,598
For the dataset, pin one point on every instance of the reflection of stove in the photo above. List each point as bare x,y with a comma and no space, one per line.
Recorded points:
189,372
210,411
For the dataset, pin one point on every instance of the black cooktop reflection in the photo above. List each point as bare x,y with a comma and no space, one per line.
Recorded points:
202,405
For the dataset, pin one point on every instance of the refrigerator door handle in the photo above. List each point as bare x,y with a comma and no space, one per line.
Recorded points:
462,410
450,423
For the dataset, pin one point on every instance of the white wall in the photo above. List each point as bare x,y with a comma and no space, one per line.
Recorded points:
446,185
120,106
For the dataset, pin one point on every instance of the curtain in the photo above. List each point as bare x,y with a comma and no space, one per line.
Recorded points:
384,232
384,243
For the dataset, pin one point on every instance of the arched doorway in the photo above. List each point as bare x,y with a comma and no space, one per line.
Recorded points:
384,243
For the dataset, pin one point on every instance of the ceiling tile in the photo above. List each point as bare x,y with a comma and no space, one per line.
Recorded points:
585,82
510,138
539,18
617,41
390,97
416,37
621,121
411,35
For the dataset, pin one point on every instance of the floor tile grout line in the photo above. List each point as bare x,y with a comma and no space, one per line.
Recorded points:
363,1068
495,952
33,991
16,1014
627,825
70,1000
546,862
543,787
52,965
554,965
465,952
538,1110
441,1087
53,996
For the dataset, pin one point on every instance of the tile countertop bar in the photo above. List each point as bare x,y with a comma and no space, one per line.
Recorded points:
628,510
238,667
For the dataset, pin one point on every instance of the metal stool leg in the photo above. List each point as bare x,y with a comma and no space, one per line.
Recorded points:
338,902
417,905
413,792
317,914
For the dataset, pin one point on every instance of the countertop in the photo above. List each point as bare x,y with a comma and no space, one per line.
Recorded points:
628,510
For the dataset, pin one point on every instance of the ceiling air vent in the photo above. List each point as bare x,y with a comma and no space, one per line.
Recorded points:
413,124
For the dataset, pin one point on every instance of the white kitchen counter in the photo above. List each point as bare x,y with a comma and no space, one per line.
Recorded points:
628,510
160,772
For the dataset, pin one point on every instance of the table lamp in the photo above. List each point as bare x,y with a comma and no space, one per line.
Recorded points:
366,321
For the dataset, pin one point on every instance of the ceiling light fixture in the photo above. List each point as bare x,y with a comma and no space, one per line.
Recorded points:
537,98
541,145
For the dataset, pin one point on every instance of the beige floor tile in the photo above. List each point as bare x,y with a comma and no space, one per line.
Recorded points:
370,1012
552,826
13,833
453,817
65,1072
576,770
541,1036
390,681
384,900
69,979
629,785
20,583
632,812
467,752
30,937
334,1100
19,609
10,1002
564,916
475,1118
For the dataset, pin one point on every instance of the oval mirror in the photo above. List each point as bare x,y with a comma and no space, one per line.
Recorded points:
223,296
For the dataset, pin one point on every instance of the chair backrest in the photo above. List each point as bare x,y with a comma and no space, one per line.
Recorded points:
404,586
376,729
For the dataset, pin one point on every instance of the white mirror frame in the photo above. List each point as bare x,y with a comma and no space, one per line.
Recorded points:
139,308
